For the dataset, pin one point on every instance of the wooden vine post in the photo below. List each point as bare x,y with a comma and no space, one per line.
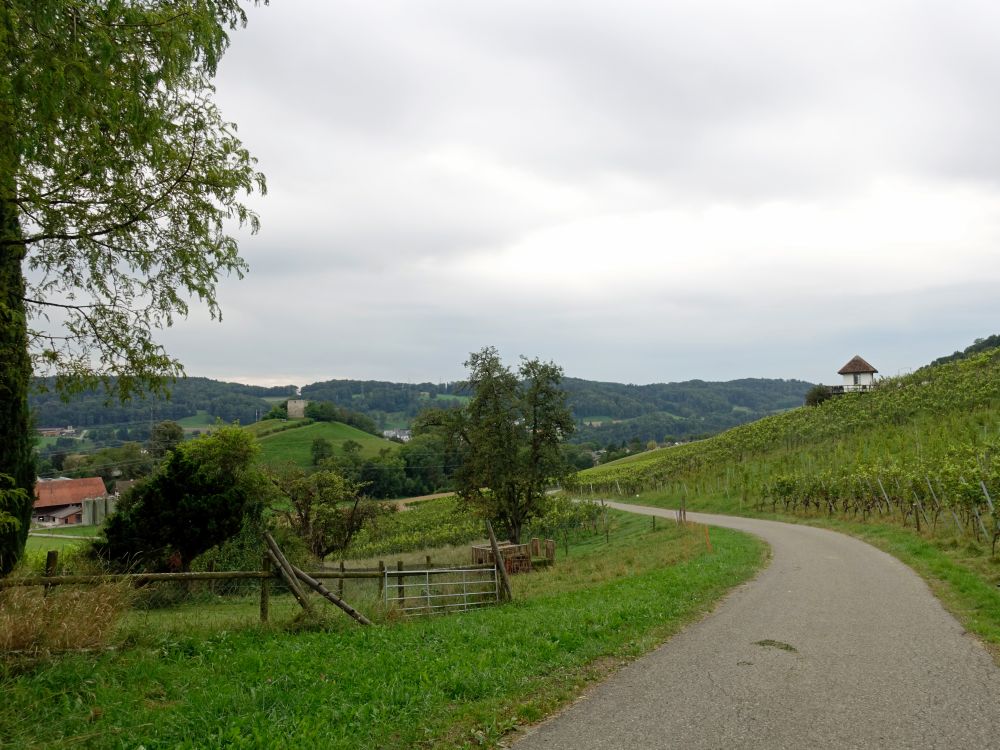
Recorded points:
51,565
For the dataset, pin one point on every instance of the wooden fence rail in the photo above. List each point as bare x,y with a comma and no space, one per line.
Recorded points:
265,575
222,575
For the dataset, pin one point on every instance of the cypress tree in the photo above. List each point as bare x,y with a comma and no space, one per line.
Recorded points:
17,466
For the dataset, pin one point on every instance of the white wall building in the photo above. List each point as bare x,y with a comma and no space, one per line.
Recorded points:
858,375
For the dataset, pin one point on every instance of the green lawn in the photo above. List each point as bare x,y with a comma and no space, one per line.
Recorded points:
457,681
296,445
197,421
39,545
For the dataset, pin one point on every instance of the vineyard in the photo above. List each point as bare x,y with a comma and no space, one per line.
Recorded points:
923,449
427,524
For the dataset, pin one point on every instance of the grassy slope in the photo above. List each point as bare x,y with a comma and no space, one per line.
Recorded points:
438,682
941,422
296,445
918,421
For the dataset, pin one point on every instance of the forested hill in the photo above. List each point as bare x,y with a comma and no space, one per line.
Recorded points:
613,412
225,401
605,412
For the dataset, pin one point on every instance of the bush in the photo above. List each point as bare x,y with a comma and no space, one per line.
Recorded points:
817,395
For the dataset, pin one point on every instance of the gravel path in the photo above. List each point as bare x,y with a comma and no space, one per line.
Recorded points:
834,645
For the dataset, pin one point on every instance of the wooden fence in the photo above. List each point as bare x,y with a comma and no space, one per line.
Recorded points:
270,572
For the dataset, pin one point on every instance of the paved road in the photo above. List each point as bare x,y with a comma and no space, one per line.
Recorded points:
835,645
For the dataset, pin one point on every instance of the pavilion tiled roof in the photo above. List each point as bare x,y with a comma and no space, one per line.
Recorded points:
856,365
68,491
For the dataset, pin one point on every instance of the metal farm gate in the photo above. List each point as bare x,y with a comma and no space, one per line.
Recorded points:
441,590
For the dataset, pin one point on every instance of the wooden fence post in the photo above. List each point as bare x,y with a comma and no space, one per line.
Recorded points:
285,568
381,579
500,563
51,565
340,586
400,591
322,590
265,588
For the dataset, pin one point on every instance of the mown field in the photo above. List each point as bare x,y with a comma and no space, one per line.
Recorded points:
295,445
463,680
913,467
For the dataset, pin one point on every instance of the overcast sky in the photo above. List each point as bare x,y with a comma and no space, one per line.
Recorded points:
640,191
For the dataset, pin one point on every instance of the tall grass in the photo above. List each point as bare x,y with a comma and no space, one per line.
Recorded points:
64,618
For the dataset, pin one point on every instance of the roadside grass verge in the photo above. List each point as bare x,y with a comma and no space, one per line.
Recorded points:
960,571
458,681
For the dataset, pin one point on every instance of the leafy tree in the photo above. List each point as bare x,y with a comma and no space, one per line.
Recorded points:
118,181
322,449
323,508
166,436
384,475
508,436
199,497
430,462
126,461
817,395
278,411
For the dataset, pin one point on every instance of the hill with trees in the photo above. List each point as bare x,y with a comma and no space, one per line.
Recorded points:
188,396
604,413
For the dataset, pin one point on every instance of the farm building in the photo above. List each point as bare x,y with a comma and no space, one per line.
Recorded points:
60,501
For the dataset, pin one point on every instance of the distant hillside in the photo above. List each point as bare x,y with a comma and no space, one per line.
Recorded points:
979,345
605,412
295,445
612,412
191,397
928,437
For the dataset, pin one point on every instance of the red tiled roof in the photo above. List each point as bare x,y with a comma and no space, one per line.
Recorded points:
856,365
68,491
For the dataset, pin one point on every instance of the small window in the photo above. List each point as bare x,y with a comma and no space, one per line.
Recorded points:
857,379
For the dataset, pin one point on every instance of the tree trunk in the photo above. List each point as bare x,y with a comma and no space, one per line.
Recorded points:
16,457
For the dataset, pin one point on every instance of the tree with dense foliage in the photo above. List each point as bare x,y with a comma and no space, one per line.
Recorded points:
125,461
199,497
323,508
508,437
165,436
322,449
119,180
817,395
